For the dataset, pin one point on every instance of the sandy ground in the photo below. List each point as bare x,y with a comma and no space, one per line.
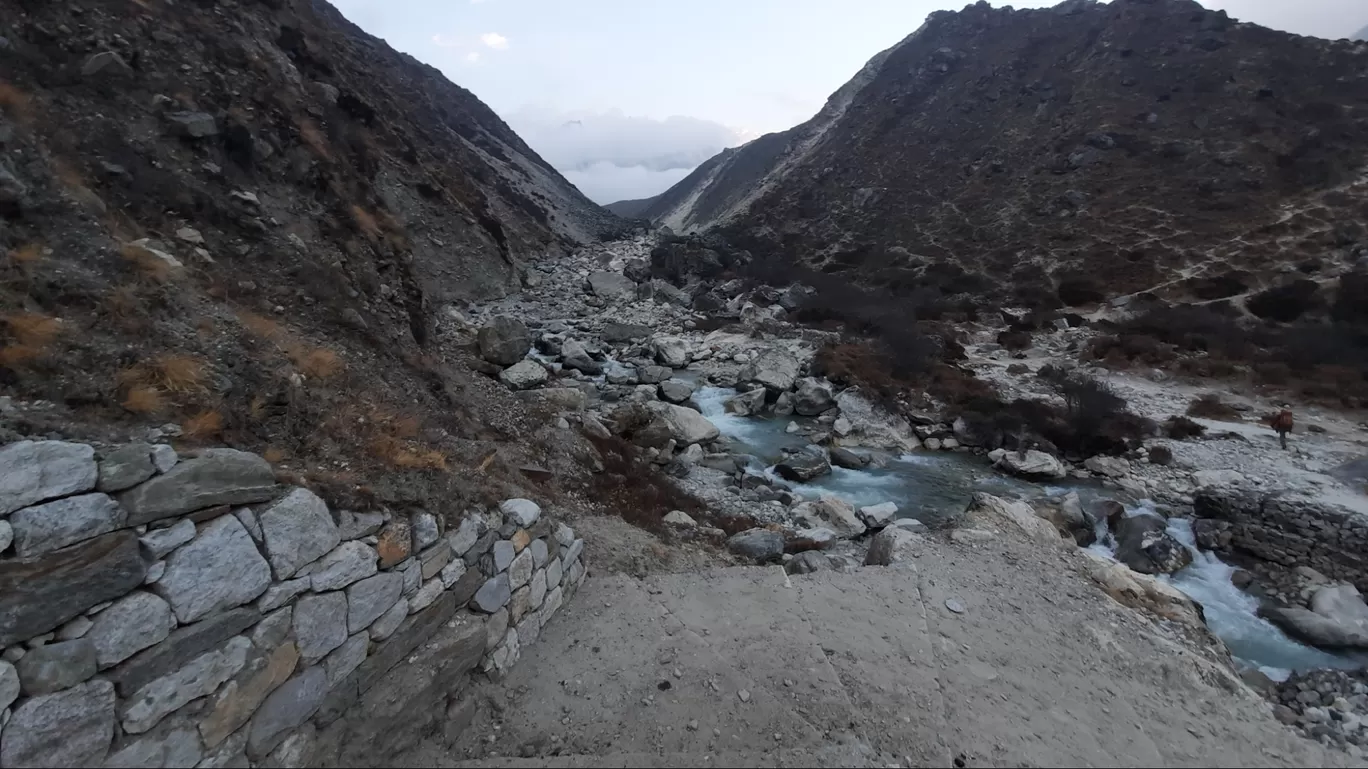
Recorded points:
744,666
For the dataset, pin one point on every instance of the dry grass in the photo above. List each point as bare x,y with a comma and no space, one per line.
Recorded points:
314,139
406,455
33,329
144,400
148,263
205,425
182,374
273,454
15,103
366,223
260,325
26,255
318,363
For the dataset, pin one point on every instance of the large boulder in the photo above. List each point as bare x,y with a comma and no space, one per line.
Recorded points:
1032,464
796,296
655,424
504,340
831,513
524,375
812,397
1337,619
760,544
747,403
1139,591
616,331
671,351
1011,514
803,466
611,286
1070,518
872,425
892,545
1143,544
1110,467
851,460
574,355
775,368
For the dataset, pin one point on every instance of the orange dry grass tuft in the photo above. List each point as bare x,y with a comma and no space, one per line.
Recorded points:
397,453
143,400
33,329
26,254
274,455
203,426
260,325
366,223
148,262
314,139
318,363
15,102
179,373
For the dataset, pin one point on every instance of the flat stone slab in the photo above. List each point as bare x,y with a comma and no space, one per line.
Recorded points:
41,594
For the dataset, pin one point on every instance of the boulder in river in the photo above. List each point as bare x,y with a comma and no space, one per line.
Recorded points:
851,460
803,466
1032,464
747,403
615,331
775,368
873,425
656,424
672,351
612,286
1143,544
524,375
1110,467
1337,619
878,516
812,397
504,340
676,390
1139,591
830,512
1000,513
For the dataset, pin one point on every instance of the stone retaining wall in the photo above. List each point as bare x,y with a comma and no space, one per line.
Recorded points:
1331,540
158,610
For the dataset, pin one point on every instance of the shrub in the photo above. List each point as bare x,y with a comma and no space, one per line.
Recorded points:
1182,428
630,487
1210,406
1287,302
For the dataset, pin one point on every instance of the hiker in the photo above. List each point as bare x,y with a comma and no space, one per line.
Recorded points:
1282,425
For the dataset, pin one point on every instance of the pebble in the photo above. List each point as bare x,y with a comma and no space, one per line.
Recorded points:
744,695
954,605
693,725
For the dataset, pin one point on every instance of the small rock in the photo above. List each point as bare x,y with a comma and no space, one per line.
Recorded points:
954,605
743,695
56,666
679,518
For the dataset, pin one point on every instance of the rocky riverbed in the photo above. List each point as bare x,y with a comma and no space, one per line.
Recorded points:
827,478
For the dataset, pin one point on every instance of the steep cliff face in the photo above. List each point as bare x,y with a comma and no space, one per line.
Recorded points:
1101,149
270,201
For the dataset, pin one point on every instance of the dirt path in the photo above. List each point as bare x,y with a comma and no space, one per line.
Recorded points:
745,666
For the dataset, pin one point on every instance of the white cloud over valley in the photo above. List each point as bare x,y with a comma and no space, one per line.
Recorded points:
612,156
494,40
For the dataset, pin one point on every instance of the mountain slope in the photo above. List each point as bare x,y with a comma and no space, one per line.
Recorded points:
629,209
1109,148
252,219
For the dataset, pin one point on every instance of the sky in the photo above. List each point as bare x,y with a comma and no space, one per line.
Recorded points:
626,97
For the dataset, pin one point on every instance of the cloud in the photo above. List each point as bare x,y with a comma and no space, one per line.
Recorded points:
494,40
473,57
444,42
612,156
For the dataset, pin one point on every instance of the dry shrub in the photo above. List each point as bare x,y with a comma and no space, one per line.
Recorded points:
260,325
33,329
632,489
181,374
273,454
203,426
143,400
317,363
1210,406
15,102
127,307
147,262
314,139
1181,428
26,255
366,223
405,454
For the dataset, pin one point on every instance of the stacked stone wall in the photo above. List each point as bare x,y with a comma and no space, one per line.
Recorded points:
165,610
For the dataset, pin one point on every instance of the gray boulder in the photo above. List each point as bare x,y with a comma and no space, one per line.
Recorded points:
830,512
654,374
676,391
808,561
1032,464
803,466
1337,619
760,544
57,666
220,569
671,351
504,340
775,368
125,467
52,525
298,529
894,544
73,727
524,375
747,403
844,457
611,286
1143,544
812,397
615,331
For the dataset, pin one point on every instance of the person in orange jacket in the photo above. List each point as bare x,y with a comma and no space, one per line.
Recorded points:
1282,424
